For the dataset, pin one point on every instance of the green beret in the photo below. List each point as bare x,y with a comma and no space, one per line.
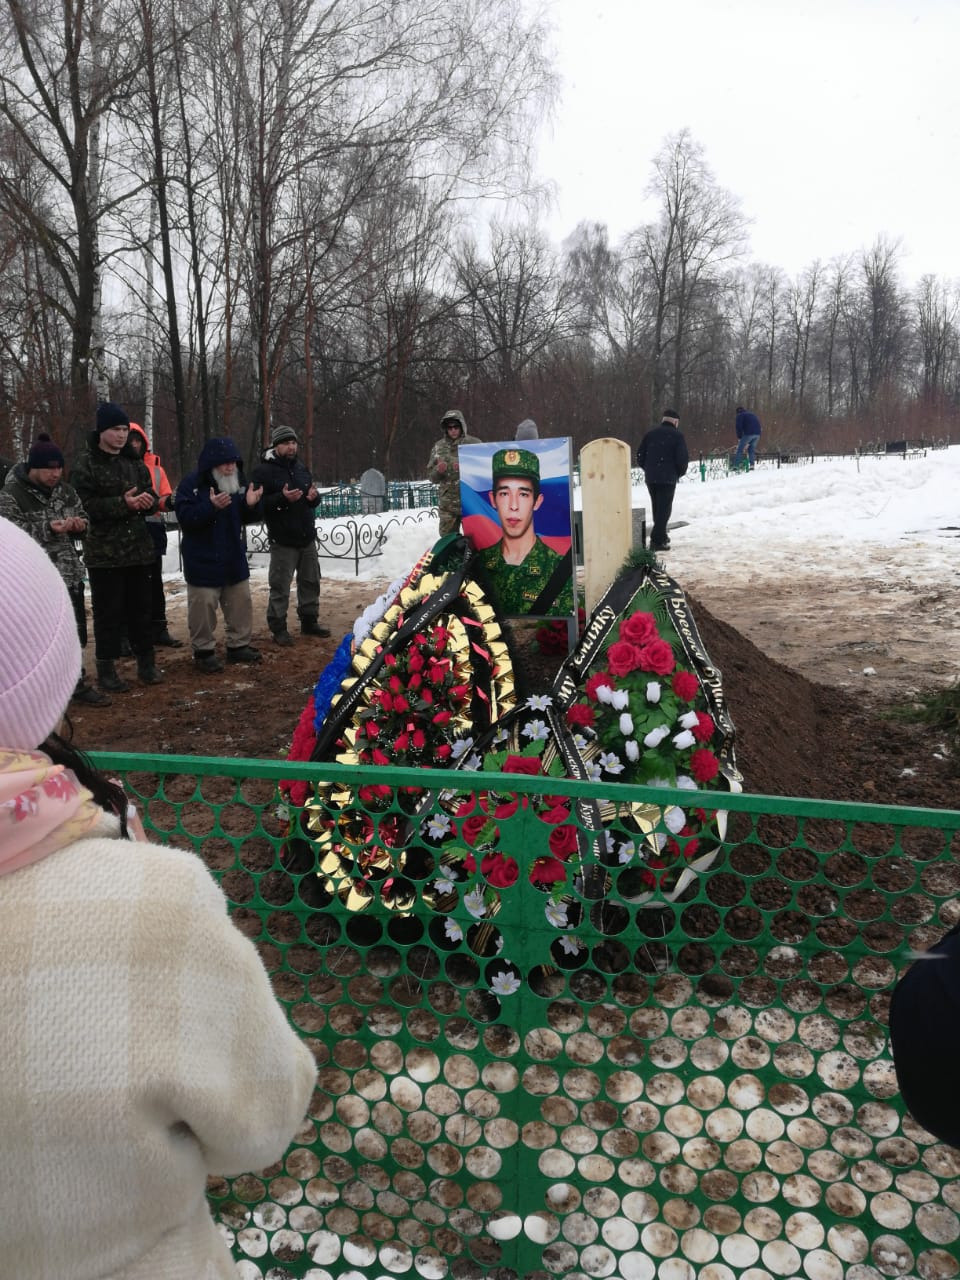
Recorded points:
516,462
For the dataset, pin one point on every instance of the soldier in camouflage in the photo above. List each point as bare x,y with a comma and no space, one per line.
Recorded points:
443,468
527,576
36,497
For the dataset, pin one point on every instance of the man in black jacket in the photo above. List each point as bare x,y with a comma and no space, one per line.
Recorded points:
663,456
290,499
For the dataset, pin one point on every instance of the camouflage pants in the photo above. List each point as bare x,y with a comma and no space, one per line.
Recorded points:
449,512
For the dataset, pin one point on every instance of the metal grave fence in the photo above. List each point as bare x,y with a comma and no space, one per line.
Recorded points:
638,1074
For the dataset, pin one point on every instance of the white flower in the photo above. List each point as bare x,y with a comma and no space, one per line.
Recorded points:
660,839
632,749
452,930
620,700
605,842
438,826
501,735
539,702
593,771
556,913
625,853
474,902
504,983
653,691
683,740
685,783
499,943
473,764
580,742
570,944
604,693
282,812
611,763
460,748
675,820
626,724
536,731
659,782
656,736
689,720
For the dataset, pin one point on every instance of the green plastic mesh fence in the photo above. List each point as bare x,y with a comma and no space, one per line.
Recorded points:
660,1061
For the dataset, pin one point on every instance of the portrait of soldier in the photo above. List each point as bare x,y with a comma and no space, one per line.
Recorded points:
525,574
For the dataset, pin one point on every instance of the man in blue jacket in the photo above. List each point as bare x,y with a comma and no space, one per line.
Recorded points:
662,454
748,433
212,505
290,500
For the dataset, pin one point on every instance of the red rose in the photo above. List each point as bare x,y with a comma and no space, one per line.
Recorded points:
623,657
375,792
639,628
563,841
440,635
401,742
389,660
419,740
459,691
415,681
560,813
443,751
437,671
442,717
704,765
471,827
522,764
386,700
546,871
657,656
470,862
378,757
499,871
415,661
704,729
594,683
419,639
581,713
396,684
685,685
371,729
508,808
466,807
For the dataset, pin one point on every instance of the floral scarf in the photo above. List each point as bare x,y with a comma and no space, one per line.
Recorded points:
42,808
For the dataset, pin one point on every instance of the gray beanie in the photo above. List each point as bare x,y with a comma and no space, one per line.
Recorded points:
279,434
527,430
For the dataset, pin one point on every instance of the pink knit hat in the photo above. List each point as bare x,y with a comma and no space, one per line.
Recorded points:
39,646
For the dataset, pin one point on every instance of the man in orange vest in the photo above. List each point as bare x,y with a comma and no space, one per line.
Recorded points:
137,440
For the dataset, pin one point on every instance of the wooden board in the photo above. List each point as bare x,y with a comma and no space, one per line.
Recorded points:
607,518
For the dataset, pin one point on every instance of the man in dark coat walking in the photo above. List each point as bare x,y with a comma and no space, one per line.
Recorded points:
290,500
748,433
212,505
662,454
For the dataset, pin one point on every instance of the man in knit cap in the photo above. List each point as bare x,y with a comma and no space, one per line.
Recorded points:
115,489
443,468
662,453
212,505
36,497
290,500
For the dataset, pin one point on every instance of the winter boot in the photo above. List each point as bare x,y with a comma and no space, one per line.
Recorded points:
245,653
147,672
90,696
283,638
107,677
311,627
166,640
207,661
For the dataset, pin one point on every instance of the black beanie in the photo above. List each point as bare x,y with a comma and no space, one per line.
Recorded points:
44,453
110,415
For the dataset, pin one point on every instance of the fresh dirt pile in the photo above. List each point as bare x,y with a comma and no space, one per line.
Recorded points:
794,737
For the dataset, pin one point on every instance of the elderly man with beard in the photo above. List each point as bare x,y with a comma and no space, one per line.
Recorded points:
212,505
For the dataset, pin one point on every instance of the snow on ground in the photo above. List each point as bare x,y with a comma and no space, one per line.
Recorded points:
881,517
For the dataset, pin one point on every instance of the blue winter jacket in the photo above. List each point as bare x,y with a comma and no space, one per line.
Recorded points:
748,424
212,542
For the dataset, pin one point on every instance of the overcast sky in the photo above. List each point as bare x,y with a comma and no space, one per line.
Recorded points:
832,120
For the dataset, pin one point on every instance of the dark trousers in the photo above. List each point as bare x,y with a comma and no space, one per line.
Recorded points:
80,613
121,597
661,503
158,608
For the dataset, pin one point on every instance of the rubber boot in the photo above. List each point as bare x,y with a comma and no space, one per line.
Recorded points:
147,672
107,677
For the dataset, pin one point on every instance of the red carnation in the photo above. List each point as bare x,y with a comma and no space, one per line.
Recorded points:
685,685
522,764
639,628
623,657
499,871
704,765
581,714
546,871
594,683
704,729
563,841
657,657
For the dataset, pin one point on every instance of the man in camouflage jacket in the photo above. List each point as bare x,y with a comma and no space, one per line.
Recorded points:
117,492
443,468
36,497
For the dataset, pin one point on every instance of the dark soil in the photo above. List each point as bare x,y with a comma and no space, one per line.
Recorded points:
794,737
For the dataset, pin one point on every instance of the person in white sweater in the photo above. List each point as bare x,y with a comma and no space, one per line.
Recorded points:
141,1046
